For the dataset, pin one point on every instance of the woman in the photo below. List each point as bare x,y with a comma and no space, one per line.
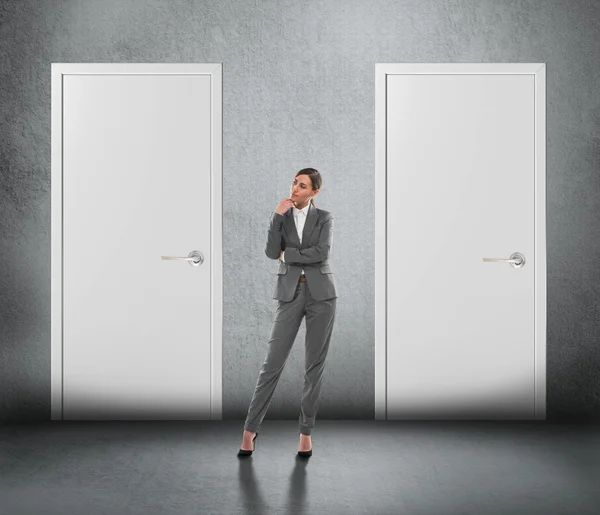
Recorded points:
300,236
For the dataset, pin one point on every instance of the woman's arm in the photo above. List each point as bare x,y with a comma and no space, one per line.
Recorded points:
273,247
316,253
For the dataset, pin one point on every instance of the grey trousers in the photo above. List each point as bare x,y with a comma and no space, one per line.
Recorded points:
320,316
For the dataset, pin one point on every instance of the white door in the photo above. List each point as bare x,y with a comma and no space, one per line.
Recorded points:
464,181
138,155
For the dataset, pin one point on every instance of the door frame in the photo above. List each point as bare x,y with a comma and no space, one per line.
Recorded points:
58,71
382,70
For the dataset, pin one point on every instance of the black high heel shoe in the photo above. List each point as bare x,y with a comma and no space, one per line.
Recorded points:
305,454
243,452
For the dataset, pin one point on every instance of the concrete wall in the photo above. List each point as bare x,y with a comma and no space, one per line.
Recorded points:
299,91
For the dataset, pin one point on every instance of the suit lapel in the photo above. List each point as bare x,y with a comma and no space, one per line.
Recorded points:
309,225
290,228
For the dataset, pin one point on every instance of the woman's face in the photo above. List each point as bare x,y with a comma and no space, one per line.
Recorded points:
301,190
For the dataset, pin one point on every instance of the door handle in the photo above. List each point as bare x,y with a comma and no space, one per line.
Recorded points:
195,258
516,260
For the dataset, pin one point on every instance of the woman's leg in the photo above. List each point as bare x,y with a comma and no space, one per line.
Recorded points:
283,333
320,316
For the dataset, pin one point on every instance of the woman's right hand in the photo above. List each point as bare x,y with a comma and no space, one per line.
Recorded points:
284,205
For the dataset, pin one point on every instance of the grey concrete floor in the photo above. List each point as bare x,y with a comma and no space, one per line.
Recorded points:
358,467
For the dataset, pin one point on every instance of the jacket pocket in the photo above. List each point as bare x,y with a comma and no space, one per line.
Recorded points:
282,270
326,269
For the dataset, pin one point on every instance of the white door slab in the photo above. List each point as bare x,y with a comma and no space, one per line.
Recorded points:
136,176
463,180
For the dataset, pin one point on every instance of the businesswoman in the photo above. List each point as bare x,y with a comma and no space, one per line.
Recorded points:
300,237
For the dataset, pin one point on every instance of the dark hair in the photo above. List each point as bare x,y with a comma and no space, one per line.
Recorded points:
315,179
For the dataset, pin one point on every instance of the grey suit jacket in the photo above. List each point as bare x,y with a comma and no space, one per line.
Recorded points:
312,254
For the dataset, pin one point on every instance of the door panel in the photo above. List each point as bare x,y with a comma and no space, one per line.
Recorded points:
136,186
460,187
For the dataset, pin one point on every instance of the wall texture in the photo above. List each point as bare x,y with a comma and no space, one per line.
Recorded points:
299,91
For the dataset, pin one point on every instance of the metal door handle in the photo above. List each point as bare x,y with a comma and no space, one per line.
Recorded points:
195,258
516,260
